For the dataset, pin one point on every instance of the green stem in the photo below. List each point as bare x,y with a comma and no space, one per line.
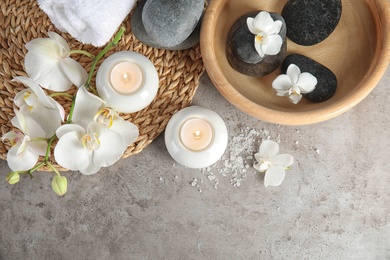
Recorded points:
70,116
36,167
60,94
53,168
39,139
48,147
82,52
114,42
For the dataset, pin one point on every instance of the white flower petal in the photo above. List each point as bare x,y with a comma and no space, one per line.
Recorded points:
111,147
64,129
251,27
23,145
47,119
58,38
74,71
264,166
38,147
28,124
91,168
306,82
268,149
23,161
274,176
283,160
19,121
70,152
257,157
272,45
60,109
19,97
12,136
45,47
295,98
258,47
126,129
275,28
46,71
282,84
293,72
37,90
86,107
263,21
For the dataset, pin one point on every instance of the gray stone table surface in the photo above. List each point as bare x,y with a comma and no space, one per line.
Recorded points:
333,204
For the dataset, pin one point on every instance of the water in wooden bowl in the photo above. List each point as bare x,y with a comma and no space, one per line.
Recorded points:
358,53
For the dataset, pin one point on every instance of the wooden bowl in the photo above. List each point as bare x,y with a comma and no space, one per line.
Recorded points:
358,53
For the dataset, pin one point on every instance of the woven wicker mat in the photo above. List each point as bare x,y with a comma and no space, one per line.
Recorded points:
179,71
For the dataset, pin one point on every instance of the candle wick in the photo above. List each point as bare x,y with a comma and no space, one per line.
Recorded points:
197,134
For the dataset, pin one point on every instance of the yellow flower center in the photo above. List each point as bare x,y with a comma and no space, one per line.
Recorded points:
260,38
91,141
105,116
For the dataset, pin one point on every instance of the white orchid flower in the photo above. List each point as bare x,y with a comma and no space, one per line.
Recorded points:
294,83
89,107
266,31
27,145
33,102
272,163
88,150
48,63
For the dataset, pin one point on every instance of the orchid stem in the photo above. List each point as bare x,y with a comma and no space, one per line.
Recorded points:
48,147
36,167
82,52
39,139
114,42
70,116
53,168
61,95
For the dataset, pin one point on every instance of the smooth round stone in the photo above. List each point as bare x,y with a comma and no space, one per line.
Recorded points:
170,22
241,51
139,32
326,79
311,21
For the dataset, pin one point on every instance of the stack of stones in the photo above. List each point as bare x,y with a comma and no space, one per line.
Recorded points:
168,24
305,22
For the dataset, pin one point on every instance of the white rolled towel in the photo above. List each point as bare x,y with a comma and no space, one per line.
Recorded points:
88,21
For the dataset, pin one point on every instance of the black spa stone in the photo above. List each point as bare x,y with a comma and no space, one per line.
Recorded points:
140,33
311,21
241,52
326,79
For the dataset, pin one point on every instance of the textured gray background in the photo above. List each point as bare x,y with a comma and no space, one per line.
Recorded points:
333,204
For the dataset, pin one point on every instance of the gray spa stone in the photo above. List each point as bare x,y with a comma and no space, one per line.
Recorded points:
139,32
171,22
311,21
241,51
326,79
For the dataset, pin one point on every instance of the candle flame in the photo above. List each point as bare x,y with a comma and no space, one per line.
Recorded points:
125,77
197,134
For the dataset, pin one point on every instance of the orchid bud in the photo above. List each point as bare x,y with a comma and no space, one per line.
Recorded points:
59,185
12,177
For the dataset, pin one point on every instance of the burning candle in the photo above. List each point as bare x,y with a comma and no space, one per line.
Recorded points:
127,81
126,77
196,134
196,137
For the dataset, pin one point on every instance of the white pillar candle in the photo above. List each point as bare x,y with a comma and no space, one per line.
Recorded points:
196,137
127,81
